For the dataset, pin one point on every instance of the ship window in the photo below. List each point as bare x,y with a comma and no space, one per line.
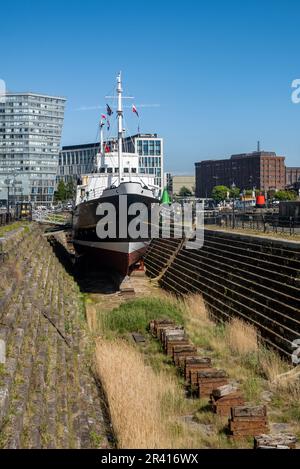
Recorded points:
126,170
116,170
109,170
102,170
133,170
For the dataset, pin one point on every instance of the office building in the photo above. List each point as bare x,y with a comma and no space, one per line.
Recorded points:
150,149
168,182
260,169
76,160
81,159
178,182
292,177
30,133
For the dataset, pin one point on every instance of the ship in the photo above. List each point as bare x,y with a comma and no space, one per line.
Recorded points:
111,224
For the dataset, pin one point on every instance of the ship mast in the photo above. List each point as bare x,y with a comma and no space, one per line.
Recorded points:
101,138
101,153
120,126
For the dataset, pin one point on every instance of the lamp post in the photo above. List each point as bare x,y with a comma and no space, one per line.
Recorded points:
7,182
244,197
233,186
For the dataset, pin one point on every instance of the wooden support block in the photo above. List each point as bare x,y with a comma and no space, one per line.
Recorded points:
181,361
224,391
248,412
162,324
138,338
248,421
277,441
205,389
182,351
193,365
247,425
209,380
222,406
246,433
180,340
169,332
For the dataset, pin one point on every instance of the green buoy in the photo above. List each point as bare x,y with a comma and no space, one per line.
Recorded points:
165,199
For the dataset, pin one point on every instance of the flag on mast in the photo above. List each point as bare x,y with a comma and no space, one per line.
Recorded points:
103,116
134,109
109,110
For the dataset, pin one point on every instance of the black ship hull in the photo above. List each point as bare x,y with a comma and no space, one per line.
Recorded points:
118,250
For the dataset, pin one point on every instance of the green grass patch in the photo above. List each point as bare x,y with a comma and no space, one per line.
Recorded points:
135,315
13,226
252,388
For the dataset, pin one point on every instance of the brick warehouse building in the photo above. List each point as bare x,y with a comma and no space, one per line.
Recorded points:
293,177
261,169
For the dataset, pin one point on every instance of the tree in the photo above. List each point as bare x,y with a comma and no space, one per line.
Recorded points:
220,193
70,189
285,195
234,192
60,193
185,192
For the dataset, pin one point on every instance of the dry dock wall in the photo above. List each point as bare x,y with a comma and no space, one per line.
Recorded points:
48,398
252,277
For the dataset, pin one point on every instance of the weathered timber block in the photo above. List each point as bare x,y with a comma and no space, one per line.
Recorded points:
224,410
193,378
206,385
210,379
246,412
195,360
247,433
224,391
181,361
247,425
222,406
175,341
161,328
169,332
273,447
138,338
279,441
193,365
210,374
183,351
227,400
157,323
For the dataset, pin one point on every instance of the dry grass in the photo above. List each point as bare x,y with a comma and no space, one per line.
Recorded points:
271,365
241,337
194,305
91,317
144,405
146,399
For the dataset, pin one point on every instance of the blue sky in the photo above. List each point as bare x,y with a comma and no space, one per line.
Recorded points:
220,71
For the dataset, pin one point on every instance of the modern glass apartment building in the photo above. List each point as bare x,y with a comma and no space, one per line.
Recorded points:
30,133
75,160
81,159
150,150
